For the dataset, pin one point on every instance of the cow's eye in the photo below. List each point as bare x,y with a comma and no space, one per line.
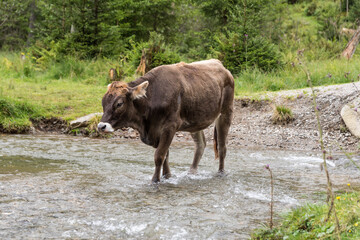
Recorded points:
119,104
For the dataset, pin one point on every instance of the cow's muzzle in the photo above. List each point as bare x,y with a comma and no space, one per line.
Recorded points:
105,127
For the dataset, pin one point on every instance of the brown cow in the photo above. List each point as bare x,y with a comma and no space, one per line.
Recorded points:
171,98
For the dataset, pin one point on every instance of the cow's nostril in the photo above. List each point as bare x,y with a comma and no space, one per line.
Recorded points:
105,127
101,126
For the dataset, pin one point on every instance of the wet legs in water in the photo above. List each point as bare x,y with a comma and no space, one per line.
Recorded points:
200,144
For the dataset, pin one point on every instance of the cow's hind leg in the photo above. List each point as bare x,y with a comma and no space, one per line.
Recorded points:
222,125
200,144
166,169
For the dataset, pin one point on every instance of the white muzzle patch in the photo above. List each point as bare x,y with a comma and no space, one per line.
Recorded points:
105,127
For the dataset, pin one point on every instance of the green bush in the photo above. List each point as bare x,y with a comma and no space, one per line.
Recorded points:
310,10
27,70
328,16
354,12
241,52
156,52
297,1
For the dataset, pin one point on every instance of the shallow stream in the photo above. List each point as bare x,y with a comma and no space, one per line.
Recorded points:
55,186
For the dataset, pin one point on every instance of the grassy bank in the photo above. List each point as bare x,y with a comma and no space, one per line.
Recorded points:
70,88
323,72
308,222
67,89
15,115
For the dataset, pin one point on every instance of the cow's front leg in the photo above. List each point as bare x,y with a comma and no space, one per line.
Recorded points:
161,152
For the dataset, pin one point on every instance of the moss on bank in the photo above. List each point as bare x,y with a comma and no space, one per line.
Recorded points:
308,222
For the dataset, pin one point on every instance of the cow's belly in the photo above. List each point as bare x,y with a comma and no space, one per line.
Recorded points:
199,115
195,127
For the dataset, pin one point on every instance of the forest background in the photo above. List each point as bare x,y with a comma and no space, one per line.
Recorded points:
55,55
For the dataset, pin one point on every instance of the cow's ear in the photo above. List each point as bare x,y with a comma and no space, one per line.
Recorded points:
109,86
139,91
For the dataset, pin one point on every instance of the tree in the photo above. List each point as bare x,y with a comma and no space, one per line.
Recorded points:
13,24
32,9
354,13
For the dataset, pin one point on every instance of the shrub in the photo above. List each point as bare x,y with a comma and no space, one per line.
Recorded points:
328,16
354,12
297,1
241,52
155,51
310,10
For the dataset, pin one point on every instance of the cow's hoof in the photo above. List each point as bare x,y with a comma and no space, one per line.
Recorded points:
167,176
155,181
221,173
193,171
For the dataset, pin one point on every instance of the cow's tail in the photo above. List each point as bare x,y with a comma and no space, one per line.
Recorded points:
216,144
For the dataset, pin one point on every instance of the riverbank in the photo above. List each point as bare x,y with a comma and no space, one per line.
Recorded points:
252,126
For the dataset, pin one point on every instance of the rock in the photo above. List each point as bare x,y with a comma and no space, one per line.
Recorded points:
133,135
351,117
83,121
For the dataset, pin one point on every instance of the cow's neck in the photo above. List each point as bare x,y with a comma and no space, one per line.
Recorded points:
137,118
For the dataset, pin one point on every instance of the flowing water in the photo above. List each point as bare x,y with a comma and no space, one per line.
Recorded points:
69,187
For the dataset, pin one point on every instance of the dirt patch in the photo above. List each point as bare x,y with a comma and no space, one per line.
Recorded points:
51,125
21,130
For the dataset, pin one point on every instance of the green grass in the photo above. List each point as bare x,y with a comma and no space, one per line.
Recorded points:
70,88
323,72
15,115
58,98
308,222
67,89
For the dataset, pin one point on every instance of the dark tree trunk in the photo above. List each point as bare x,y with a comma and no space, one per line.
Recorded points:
30,37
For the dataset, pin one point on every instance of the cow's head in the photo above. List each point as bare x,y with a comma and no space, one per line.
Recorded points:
118,104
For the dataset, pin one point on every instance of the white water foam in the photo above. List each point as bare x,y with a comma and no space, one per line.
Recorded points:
184,176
